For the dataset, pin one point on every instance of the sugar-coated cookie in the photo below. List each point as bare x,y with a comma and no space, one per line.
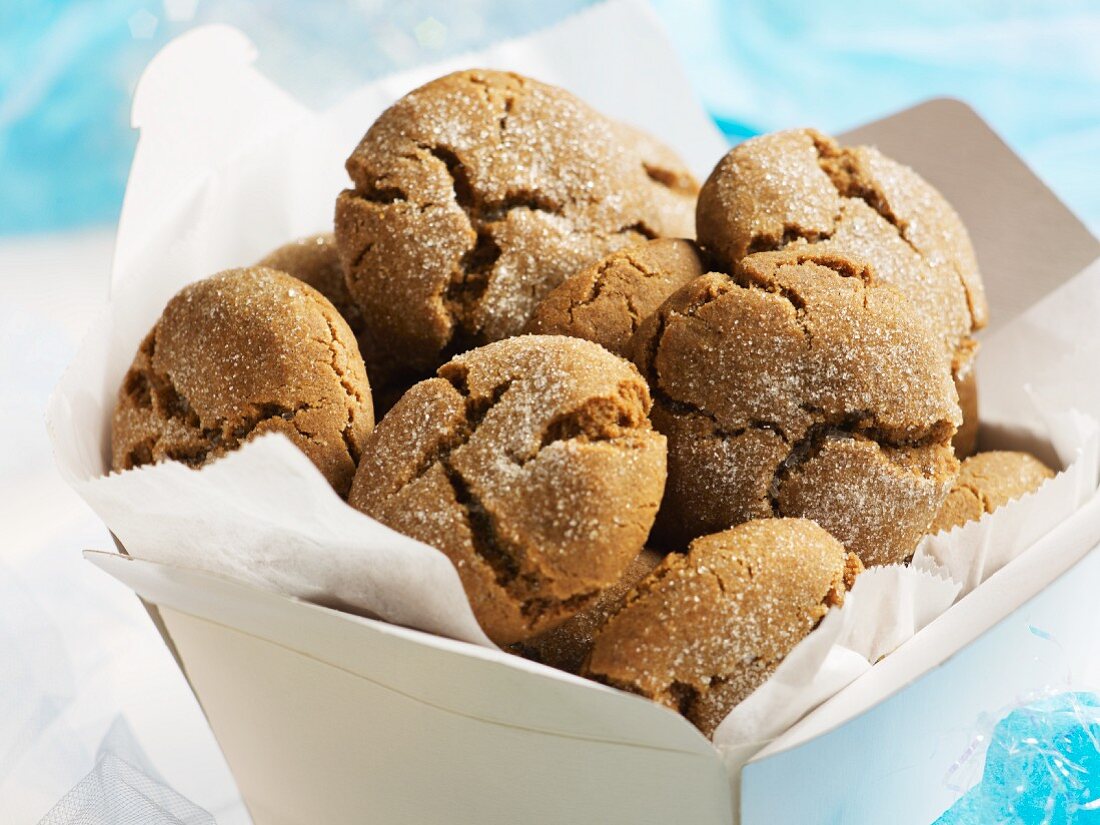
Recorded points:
245,352
706,628
801,187
476,194
532,465
606,301
799,387
988,481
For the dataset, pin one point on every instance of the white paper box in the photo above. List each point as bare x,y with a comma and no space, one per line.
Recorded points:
329,717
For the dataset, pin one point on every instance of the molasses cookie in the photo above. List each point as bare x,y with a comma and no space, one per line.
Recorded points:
567,645
801,187
988,481
478,193
532,465
315,260
799,387
607,300
240,354
706,628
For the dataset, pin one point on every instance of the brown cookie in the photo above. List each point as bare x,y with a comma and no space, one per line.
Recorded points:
532,465
607,300
798,387
567,645
675,187
478,193
801,187
315,260
240,354
705,629
988,481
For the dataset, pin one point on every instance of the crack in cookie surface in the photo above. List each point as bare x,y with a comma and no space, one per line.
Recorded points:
538,186
857,426
839,165
705,628
175,420
532,465
811,191
585,422
195,391
579,424
711,338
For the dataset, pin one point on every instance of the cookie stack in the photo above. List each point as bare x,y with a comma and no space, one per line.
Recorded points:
658,429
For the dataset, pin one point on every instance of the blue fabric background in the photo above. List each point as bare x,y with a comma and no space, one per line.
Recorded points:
68,67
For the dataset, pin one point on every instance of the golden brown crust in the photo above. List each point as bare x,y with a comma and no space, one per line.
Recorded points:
481,191
799,387
567,646
245,352
987,481
799,188
706,628
532,465
607,300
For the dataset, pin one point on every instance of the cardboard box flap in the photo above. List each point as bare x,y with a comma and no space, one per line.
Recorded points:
1028,242
441,672
312,741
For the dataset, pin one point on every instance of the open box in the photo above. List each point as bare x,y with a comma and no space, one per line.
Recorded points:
325,716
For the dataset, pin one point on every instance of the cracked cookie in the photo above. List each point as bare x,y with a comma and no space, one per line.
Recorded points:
799,387
532,465
567,645
315,260
243,353
476,194
606,301
800,188
706,628
987,481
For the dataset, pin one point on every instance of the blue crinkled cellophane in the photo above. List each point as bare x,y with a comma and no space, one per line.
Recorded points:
1042,767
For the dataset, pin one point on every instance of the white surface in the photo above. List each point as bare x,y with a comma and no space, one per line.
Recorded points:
77,651
362,721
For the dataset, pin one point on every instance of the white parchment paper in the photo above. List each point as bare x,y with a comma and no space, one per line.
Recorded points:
229,166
